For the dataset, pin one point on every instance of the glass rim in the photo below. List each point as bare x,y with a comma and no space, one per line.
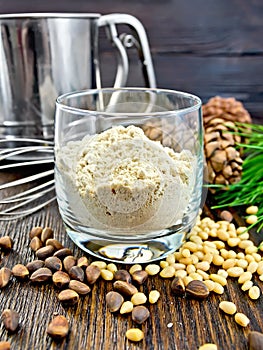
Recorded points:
60,99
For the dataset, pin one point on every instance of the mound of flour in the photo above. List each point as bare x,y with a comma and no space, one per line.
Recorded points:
120,178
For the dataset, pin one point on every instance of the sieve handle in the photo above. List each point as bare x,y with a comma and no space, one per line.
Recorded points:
124,41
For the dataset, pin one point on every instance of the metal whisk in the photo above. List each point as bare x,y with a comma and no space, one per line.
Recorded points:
27,152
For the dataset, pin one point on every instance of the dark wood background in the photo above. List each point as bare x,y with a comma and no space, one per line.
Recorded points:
205,47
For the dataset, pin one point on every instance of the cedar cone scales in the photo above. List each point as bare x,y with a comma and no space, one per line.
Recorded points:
224,163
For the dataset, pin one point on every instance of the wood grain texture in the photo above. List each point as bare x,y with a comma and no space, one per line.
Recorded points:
92,326
205,47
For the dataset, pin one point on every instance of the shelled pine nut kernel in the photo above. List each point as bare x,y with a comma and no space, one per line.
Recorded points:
254,292
228,307
247,285
154,295
134,334
252,219
252,210
241,319
152,269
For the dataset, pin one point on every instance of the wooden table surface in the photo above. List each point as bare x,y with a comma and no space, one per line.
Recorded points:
174,323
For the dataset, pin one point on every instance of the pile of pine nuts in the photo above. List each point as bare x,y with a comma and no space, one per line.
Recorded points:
221,246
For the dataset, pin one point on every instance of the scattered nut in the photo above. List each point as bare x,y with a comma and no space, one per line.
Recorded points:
5,275
138,298
226,215
53,263
36,243
107,275
241,319
114,301
46,234
68,296
134,334
152,269
251,219
218,288
167,272
20,271
125,288
140,314
140,276
58,327
55,243
45,252
245,276
35,232
76,273
235,271
41,275
219,279
253,209
177,286
82,262
247,285
154,296
122,275
69,262
197,289
62,253
6,243
228,307
35,265
135,267
10,319
210,285
61,279
254,292
92,274
112,267
100,264
255,340
126,307
79,287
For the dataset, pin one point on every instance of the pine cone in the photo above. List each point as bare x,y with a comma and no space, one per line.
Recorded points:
225,108
164,132
224,164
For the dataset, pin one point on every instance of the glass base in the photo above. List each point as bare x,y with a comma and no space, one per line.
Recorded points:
128,252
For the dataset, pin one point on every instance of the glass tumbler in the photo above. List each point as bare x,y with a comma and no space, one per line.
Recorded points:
128,170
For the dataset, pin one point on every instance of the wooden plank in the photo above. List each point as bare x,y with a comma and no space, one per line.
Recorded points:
206,27
203,76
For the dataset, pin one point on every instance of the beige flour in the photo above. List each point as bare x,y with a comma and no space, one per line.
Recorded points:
122,179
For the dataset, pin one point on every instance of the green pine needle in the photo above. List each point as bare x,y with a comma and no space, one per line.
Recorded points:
249,190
